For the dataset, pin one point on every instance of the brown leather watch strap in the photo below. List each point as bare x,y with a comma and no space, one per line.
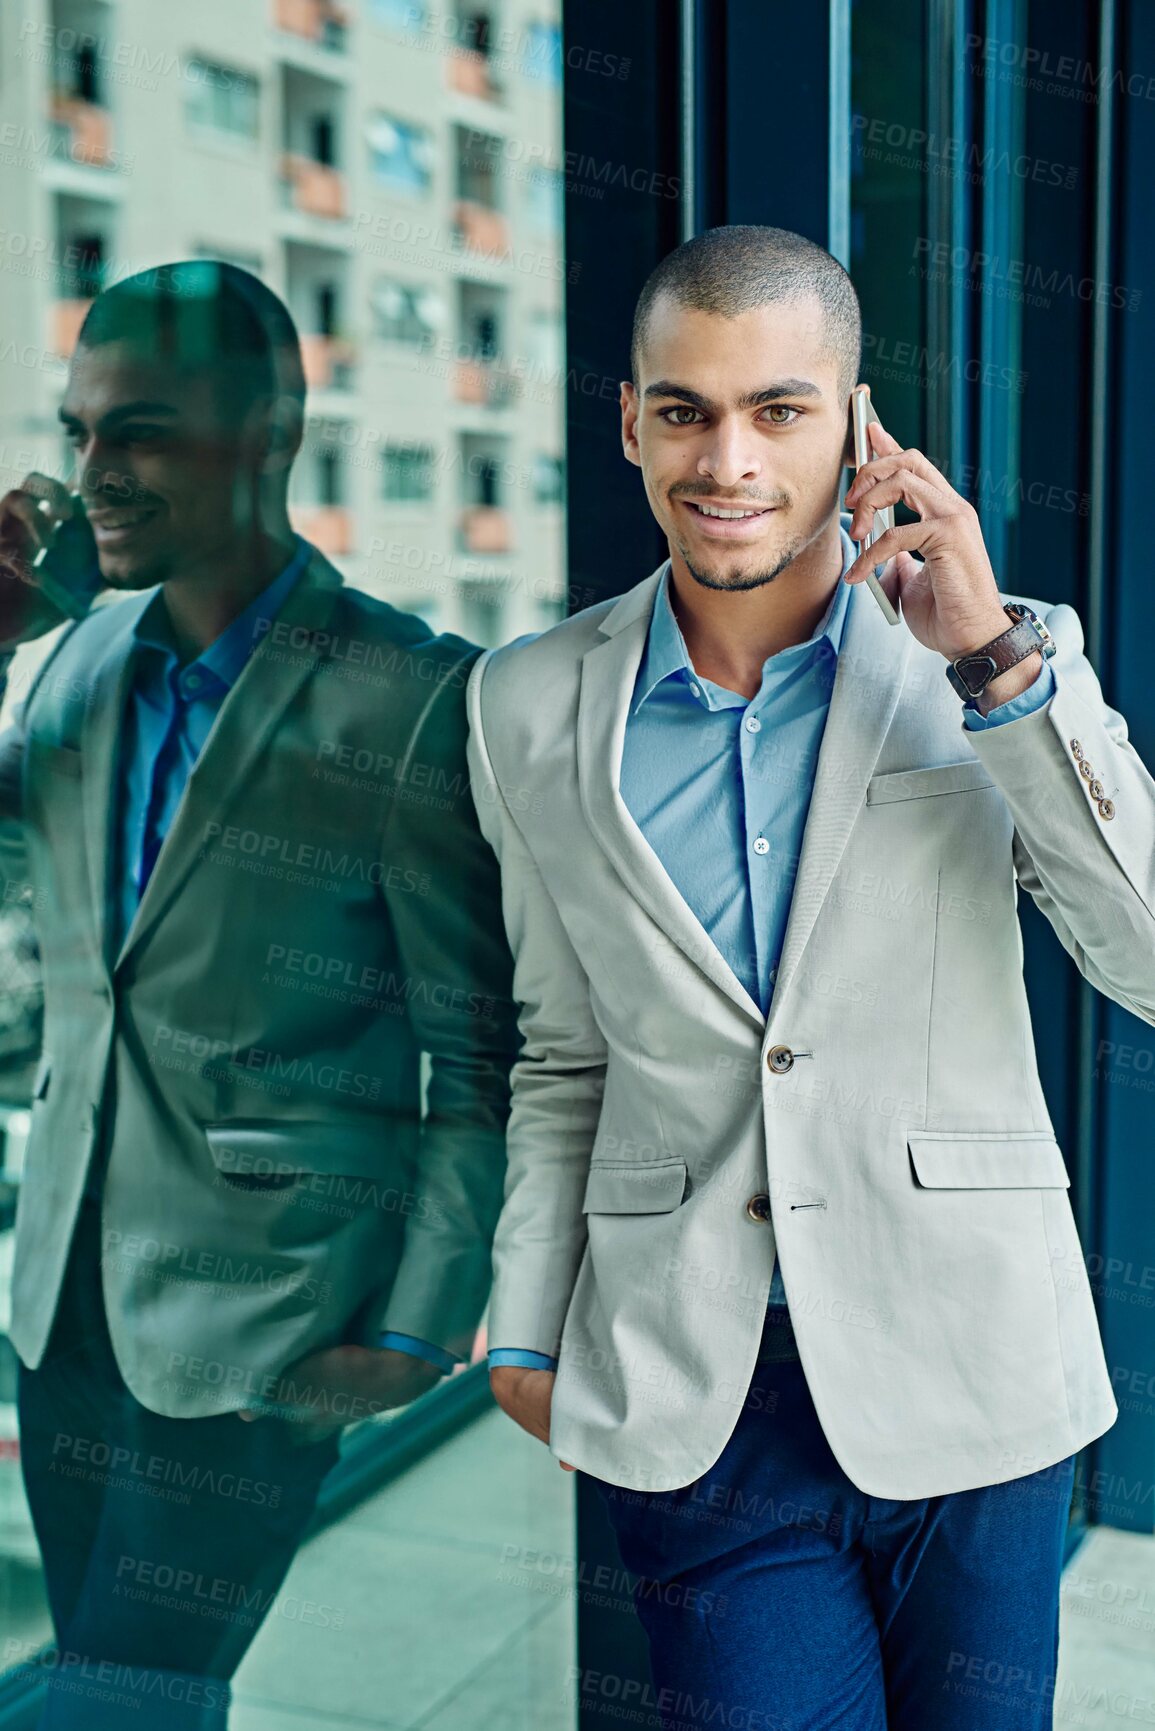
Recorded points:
970,674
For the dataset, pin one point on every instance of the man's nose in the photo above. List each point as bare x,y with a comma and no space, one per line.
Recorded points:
731,456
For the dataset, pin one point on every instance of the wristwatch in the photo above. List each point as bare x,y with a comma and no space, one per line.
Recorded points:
970,674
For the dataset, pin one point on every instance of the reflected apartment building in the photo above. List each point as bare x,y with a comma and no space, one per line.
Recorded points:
393,171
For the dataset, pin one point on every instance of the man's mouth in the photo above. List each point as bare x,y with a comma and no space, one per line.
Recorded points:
120,522
727,520
730,514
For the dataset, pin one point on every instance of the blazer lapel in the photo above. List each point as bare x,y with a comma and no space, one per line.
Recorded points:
248,716
607,682
102,737
868,681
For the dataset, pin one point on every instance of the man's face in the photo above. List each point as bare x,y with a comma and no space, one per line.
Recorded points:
166,477
737,414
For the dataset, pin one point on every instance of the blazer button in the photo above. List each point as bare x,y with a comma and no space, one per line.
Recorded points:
1076,748
1085,768
758,1207
1106,808
1097,790
780,1059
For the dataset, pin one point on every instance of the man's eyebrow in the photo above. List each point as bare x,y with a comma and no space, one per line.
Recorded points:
123,411
771,393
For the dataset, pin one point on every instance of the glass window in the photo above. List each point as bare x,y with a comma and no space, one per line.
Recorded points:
221,99
365,163
409,478
400,154
406,313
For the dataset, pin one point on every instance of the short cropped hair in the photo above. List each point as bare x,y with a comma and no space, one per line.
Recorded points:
731,270
205,316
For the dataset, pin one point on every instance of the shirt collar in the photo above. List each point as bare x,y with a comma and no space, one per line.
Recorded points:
666,655
224,659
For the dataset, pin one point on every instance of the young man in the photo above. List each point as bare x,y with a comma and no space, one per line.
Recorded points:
232,1200
760,882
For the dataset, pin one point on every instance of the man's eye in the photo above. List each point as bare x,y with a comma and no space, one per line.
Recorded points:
781,409
74,435
137,433
681,409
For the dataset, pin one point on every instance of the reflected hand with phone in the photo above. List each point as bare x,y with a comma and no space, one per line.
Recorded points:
46,546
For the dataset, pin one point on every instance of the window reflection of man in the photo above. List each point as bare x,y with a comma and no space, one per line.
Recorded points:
234,1206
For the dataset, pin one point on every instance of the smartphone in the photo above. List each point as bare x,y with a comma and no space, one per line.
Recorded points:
861,414
68,568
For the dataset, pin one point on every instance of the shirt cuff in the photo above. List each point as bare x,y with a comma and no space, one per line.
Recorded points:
520,1356
1041,688
436,1355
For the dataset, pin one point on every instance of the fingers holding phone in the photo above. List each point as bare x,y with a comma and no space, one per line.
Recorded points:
29,517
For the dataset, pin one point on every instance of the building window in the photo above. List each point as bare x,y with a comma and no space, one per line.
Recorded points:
400,154
548,480
399,15
541,53
408,474
544,200
403,314
220,99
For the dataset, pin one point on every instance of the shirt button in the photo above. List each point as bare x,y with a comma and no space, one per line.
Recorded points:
758,1207
696,689
192,681
761,845
780,1059
753,725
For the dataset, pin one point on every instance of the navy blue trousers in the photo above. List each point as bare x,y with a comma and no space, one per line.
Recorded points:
775,1594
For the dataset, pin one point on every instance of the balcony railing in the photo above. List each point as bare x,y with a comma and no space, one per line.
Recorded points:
65,320
486,529
328,362
480,229
87,128
320,21
485,382
468,71
313,187
329,527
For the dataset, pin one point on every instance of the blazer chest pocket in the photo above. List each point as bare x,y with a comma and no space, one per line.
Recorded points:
637,1187
965,777
254,1155
986,1160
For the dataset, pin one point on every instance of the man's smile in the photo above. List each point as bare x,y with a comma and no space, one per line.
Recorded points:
727,522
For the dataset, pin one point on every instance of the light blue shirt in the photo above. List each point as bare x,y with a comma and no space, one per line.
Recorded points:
720,787
170,716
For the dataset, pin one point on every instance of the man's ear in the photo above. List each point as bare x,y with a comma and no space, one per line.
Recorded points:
630,409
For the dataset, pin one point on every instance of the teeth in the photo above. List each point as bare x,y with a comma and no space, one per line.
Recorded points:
727,516
120,519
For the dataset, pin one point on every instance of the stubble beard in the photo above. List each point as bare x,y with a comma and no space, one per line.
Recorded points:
735,582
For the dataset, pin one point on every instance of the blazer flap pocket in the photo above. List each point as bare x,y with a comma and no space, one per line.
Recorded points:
918,783
987,1160
272,1150
640,1187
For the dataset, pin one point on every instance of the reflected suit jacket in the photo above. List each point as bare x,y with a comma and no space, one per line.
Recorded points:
889,1106
243,1074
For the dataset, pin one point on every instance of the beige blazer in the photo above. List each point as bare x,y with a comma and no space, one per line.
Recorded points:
890,1106
248,1062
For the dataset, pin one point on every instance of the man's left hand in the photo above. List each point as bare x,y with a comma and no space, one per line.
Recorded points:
329,1389
950,599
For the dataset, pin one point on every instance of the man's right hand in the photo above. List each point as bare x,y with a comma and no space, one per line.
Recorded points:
526,1396
29,515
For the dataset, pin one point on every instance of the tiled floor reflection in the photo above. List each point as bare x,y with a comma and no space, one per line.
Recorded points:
1107,1644
443,1603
